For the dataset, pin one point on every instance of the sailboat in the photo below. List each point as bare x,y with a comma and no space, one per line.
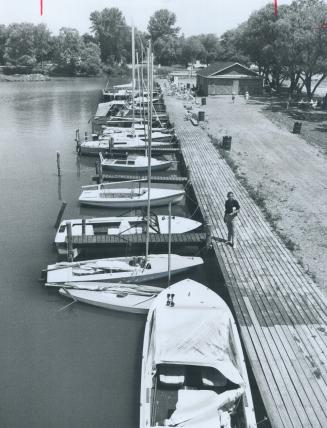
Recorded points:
121,226
134,298
118,269
128,194
122,269
133,163
193,369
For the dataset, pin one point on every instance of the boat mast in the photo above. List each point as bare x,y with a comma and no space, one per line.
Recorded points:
150,92
133,77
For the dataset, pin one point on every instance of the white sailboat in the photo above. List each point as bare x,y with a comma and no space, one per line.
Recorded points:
118,269
121,226
134,298
133,163
193,369
128,194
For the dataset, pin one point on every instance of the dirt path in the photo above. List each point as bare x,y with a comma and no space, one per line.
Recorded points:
285,174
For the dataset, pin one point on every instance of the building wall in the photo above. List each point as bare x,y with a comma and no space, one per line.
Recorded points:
220,86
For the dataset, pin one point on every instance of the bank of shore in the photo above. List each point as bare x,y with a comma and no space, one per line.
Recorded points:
34,77
284,173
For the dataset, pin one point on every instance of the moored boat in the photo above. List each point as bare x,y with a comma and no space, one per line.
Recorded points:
121,226
134,164
193,369
119,269
134,298
128,194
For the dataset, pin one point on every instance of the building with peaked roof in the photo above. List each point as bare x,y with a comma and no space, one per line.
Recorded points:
224,78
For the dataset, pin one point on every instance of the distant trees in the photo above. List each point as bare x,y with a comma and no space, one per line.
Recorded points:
291,47
112,35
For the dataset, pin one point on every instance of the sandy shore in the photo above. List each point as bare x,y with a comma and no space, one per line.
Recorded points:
24,78
284,173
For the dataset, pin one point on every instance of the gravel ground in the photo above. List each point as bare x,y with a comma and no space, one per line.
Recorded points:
285,173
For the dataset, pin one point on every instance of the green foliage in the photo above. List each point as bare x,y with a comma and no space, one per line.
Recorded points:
20,44
112,34
161,25
3,39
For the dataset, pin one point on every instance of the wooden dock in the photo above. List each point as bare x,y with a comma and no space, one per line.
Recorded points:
280,311
177,240
169,179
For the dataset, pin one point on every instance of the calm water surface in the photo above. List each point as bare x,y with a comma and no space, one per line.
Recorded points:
78,367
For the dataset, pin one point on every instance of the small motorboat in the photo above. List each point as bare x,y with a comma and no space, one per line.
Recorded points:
134,164
128,194
119,269
193,369
134,298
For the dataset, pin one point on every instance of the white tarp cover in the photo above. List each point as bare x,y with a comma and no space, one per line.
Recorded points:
200,409
195,336
103,108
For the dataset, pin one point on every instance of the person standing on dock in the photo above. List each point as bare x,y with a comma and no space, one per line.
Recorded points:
232,208
233,97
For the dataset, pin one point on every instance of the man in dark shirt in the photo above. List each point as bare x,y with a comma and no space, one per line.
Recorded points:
232,208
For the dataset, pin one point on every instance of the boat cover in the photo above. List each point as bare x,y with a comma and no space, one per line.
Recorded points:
200,409
195,336
103,108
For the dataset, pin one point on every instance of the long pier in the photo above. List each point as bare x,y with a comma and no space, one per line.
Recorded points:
281,313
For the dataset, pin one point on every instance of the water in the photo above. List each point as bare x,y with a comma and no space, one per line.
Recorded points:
78,367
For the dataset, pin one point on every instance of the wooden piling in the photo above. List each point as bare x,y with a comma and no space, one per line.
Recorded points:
86,137
60,214
58,164
70,250
77,137
100,173
83,226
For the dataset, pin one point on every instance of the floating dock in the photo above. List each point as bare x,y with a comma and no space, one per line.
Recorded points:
135,239
169,179
281,313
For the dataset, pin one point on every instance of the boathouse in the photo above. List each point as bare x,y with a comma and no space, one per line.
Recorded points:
223,78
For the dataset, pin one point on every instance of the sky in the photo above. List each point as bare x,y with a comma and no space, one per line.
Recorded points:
193,16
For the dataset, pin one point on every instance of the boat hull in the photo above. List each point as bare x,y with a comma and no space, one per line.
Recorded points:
127,168
61,273
132,202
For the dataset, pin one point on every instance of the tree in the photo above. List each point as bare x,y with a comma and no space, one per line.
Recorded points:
307,41
3,39
112,34
192,50
165,50
68,51
90,60
161,25
211,44
20,45
42,43
230,49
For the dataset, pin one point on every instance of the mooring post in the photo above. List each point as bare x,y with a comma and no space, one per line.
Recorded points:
188,172
207,228
58,163
70,251
100,173
60,214
83,226
111,146
77,139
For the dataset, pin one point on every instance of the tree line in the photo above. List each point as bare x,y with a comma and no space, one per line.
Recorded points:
290,47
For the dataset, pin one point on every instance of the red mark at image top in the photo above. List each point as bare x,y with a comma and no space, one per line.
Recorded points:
41,7
276,7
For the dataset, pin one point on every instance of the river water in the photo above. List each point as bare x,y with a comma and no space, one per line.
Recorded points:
78,367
